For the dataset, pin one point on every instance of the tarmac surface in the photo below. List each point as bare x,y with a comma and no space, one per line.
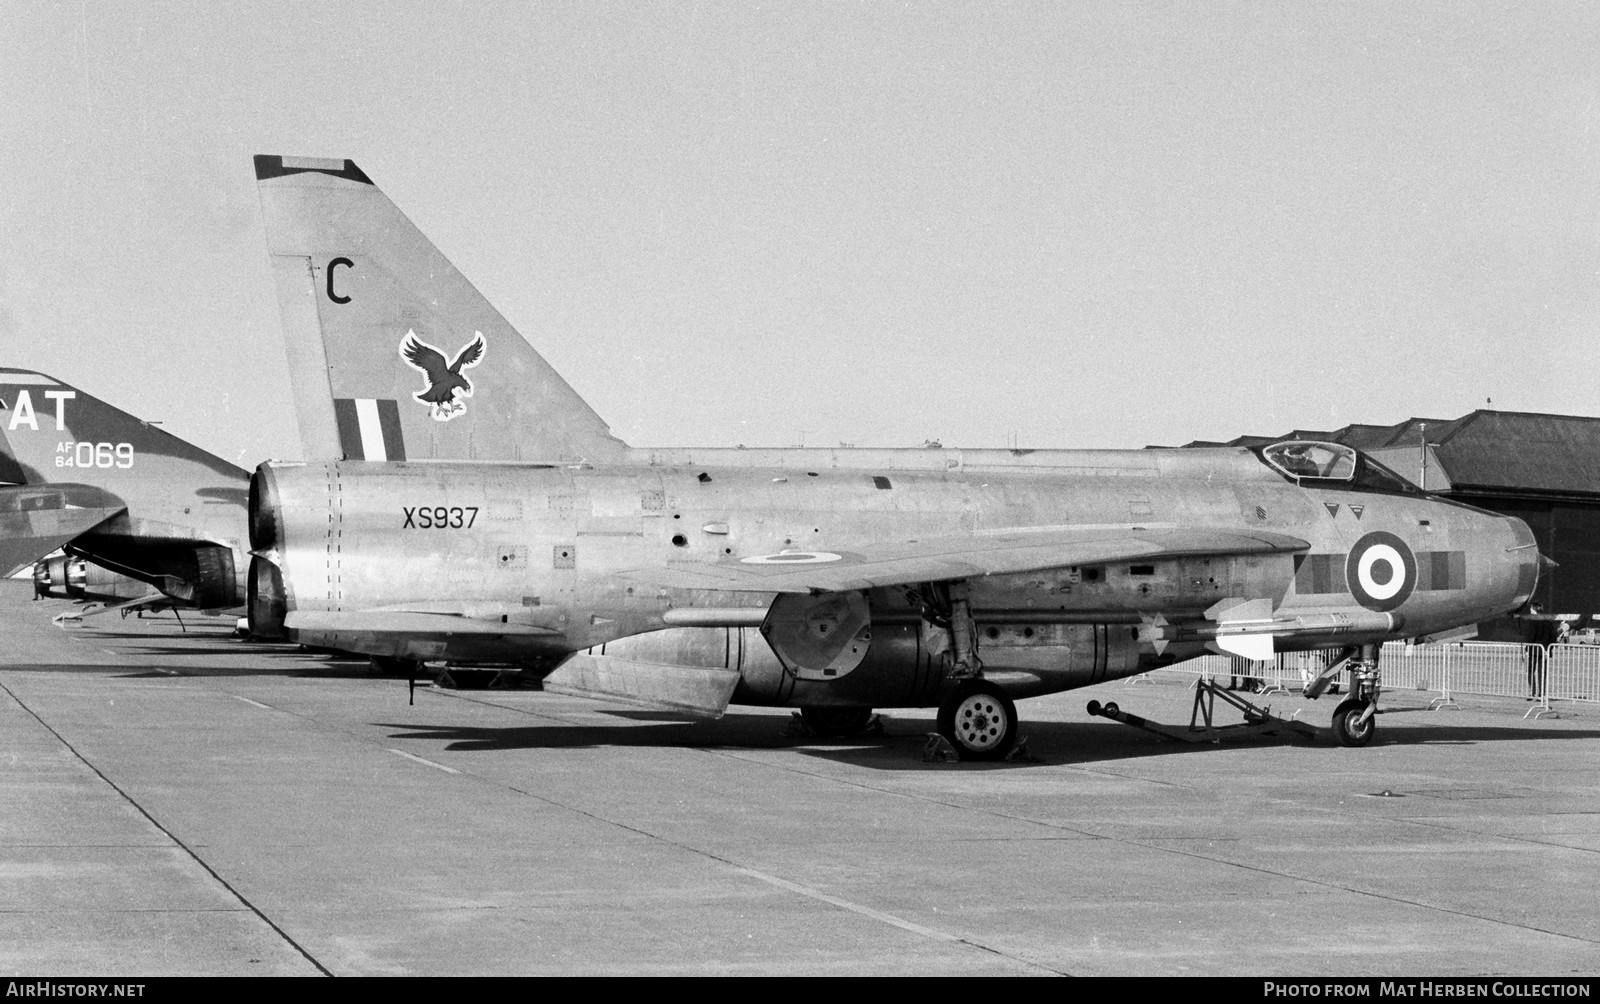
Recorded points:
185,803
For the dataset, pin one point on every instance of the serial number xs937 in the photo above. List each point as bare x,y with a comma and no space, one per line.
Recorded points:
440,517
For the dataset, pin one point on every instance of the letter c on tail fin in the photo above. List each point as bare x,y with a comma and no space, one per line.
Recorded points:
347,263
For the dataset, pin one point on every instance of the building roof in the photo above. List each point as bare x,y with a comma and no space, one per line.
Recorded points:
1483,451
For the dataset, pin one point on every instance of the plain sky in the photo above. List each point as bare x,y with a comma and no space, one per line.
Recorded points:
1049,224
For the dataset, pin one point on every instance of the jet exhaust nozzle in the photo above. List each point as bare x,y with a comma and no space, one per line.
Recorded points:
61,577
263,510
267,603
41,577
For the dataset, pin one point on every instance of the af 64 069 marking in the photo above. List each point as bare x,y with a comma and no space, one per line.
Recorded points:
86,454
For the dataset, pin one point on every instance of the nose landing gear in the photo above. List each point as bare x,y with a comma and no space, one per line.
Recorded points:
1355,720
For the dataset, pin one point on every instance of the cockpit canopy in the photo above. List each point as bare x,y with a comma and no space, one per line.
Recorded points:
1332,465
1312,460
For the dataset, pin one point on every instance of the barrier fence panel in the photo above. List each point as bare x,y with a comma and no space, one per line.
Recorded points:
1296,669
1418,667
1484,669
1287,671
1206,667
1572,673
1496,670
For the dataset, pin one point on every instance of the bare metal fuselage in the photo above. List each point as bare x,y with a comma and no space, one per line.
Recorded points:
528,564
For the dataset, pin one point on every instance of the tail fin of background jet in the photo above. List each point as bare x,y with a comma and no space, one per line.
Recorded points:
117,491
56,432
392,352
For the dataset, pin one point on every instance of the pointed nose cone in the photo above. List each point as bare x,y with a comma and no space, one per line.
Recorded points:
1543,565
1524,551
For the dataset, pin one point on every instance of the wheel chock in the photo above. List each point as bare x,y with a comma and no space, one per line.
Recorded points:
938,750
798,728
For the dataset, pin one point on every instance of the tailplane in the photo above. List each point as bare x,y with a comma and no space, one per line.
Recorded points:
393,354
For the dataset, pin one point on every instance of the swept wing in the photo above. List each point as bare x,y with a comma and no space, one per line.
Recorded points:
983,553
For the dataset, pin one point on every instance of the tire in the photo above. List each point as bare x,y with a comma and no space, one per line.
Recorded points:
980,721
1345,724
837,721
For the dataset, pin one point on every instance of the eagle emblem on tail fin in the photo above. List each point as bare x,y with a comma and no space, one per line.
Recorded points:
446,386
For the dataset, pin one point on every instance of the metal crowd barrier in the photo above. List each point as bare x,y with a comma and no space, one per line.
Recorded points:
1573,673
1542,673
1287,671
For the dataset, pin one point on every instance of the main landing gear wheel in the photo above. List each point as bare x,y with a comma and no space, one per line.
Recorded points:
1348,726
980,721
837,721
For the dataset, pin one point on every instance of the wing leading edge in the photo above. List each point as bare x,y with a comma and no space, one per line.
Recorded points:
969,556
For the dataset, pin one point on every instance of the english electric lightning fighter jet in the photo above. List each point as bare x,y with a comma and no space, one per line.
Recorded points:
484,514
156,522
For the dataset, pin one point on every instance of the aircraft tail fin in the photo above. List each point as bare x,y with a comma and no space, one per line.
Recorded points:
133,498
393,354
51,431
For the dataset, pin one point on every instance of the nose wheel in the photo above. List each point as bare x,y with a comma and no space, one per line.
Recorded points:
979,720
1353,725
1356,719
